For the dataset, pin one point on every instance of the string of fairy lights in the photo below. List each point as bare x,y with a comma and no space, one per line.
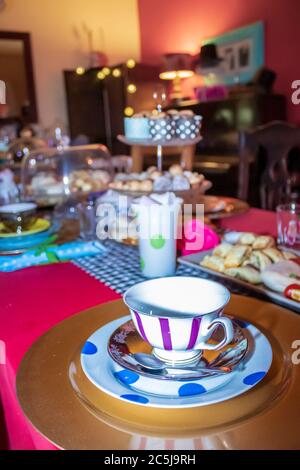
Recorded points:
116,72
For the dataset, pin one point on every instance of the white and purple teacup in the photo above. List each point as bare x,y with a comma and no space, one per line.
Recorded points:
178,315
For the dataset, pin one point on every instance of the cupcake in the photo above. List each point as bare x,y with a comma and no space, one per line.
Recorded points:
137,126
161,127
188,125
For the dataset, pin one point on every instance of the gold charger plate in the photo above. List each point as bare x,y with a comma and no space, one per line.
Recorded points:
40,225
73,414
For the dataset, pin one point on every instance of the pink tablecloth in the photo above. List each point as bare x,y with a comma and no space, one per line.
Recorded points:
255,220
31,302
35,299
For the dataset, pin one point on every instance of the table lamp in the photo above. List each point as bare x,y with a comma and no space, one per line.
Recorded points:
177,66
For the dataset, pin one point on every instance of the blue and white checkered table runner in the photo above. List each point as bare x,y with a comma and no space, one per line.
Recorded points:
119,268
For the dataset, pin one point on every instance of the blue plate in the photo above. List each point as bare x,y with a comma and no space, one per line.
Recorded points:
23,243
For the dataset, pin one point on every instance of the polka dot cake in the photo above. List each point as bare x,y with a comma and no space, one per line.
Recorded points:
163,126
188,126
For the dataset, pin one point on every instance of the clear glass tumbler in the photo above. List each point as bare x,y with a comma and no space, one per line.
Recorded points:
288,225
87,219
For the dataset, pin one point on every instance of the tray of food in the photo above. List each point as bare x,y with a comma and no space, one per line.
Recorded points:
170,128
49,176
190,186
48,189
254,262
218,207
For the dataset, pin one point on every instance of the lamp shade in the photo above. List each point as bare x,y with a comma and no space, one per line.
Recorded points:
177,65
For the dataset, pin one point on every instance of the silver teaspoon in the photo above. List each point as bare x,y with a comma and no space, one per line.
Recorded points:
153,364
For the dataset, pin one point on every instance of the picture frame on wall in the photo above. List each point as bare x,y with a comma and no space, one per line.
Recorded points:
241,51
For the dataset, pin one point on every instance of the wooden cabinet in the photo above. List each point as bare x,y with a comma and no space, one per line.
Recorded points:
217,155
96,107
223,120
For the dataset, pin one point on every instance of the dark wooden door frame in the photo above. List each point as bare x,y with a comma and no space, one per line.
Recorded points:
26,39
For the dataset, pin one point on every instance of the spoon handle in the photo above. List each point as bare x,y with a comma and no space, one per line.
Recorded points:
196,370
183,374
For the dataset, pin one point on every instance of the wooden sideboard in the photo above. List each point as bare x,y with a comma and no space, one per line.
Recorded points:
217,155
223,120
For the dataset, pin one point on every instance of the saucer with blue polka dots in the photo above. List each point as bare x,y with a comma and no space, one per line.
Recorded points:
125,342
128,386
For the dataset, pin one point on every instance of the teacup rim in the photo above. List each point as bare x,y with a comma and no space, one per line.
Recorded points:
25,207
164,313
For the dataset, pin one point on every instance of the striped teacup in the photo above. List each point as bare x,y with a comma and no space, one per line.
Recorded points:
178,315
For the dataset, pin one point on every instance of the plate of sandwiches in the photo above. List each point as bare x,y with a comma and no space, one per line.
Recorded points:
252,261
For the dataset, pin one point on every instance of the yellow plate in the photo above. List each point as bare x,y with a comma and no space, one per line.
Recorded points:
64,406
40,225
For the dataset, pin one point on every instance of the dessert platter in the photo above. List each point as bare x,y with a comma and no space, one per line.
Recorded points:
176,179
162,129
49,189
255,262
49,176
170,128
153,180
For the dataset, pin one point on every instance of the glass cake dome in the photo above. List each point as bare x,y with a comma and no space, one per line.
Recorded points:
21,147
49,176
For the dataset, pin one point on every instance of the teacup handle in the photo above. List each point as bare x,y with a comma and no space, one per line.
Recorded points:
228,333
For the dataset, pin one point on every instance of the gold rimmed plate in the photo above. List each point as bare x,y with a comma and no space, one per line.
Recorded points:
77,415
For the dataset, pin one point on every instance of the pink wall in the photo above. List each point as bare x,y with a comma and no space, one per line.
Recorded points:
181,25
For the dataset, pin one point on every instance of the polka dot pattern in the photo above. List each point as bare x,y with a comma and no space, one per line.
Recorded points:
89,348
127,377
191,389
161,129
254,378
187,128
135,398
133,387
157,242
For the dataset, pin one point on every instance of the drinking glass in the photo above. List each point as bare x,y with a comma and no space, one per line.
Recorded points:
288,225
160,97
87,219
